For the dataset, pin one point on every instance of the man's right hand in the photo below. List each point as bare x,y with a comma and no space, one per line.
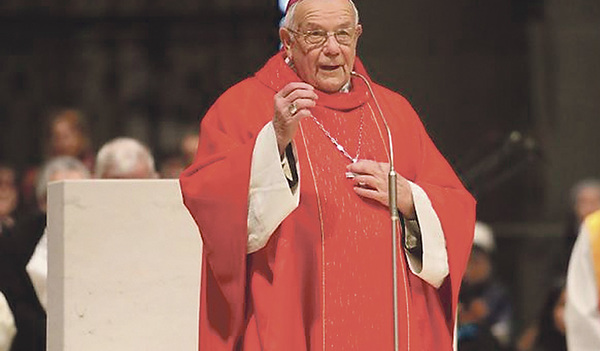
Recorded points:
292,103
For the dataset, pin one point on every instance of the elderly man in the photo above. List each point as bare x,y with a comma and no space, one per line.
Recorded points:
289,191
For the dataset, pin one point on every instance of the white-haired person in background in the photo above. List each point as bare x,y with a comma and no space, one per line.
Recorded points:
125,158
59,168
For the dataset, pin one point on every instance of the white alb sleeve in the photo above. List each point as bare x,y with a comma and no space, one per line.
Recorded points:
7,324
432,267
37,268
270,199
582,316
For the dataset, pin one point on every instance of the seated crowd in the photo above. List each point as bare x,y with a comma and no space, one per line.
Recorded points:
23,193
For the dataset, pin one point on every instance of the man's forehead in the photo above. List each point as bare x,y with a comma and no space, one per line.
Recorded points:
316,13
319,22
290,3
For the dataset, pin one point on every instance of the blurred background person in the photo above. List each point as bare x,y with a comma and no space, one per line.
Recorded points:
189,145
59,168
17,243
551,324
8,205
173,165
125,158
68,135
23,260
8,197
488,304
473,333
585,199
582,313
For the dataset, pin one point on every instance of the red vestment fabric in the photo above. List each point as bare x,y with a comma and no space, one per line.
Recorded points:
324,279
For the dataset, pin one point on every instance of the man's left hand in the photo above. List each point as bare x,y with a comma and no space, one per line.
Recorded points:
371,182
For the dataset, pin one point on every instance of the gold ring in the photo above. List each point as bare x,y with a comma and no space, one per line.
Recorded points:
293,108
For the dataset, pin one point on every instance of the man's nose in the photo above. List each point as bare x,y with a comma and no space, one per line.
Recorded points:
331,46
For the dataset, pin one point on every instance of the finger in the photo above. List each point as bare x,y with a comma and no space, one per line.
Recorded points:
377,169
367,181
304,104
364,167
301,114
284,109
290,87
301,94
370,194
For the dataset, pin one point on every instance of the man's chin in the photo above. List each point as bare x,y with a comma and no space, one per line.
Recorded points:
330,85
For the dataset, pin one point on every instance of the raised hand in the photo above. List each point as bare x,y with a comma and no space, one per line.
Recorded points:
292,103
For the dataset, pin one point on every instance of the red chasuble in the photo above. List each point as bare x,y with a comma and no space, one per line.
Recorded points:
324,279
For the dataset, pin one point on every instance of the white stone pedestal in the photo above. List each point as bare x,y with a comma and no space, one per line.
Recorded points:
124,267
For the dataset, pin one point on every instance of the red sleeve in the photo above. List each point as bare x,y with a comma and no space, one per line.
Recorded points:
455,208
215,191
453,204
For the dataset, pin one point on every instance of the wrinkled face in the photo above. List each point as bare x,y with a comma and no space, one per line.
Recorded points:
66,140
327,67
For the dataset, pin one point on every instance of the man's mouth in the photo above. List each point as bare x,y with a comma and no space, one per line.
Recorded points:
330,67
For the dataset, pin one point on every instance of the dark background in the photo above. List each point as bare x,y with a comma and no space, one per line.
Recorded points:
508,89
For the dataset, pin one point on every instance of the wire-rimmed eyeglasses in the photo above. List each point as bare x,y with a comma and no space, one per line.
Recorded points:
319,37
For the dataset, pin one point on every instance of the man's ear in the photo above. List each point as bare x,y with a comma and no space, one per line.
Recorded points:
359,30
286,40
